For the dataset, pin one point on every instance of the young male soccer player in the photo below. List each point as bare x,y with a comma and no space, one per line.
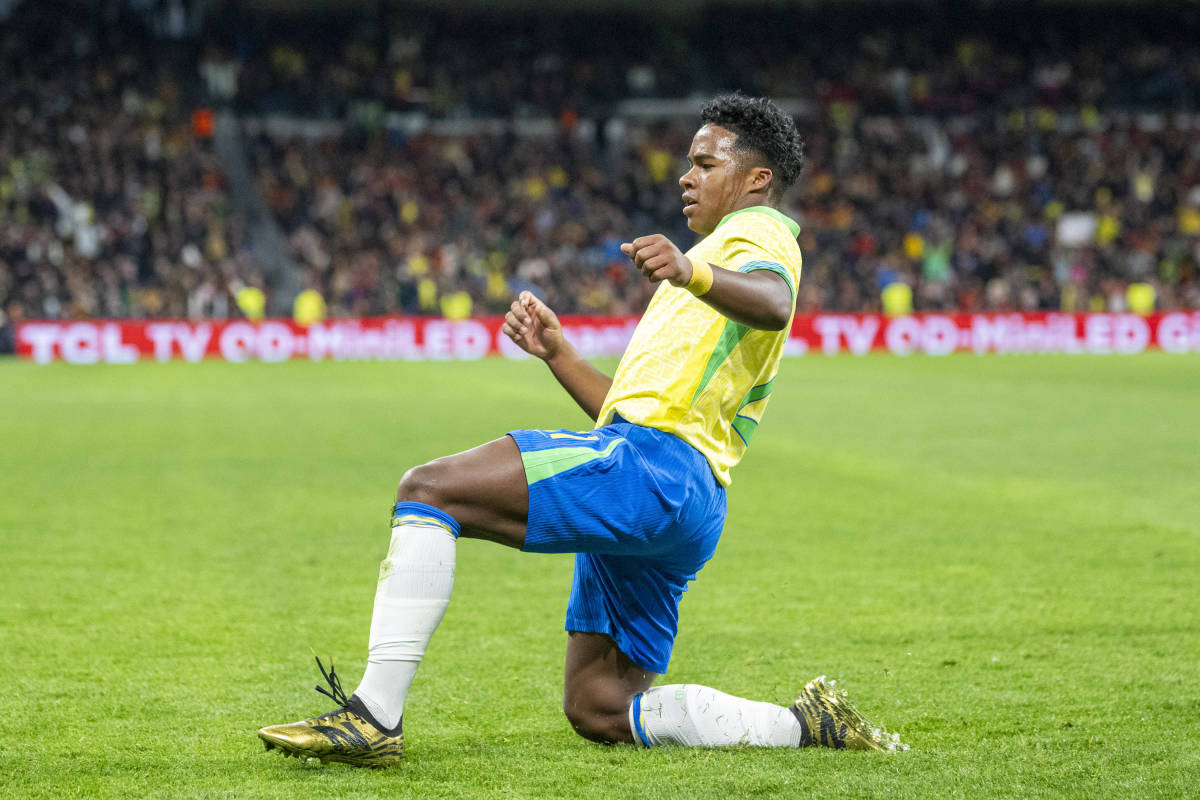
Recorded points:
640,499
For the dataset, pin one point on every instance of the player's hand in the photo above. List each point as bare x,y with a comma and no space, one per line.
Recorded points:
533,327
658,259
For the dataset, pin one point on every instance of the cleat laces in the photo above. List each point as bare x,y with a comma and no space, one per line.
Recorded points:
335,691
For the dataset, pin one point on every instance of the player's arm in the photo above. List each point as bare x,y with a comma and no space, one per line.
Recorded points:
759,299
535,329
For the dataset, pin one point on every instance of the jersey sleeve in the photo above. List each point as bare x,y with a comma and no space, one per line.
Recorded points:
758,243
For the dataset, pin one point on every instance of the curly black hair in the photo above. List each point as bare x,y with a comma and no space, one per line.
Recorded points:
763,129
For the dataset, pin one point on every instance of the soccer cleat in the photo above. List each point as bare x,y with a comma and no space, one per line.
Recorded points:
829,719
349,734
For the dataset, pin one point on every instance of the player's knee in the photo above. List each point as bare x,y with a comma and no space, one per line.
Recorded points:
603,723
422,485
588,724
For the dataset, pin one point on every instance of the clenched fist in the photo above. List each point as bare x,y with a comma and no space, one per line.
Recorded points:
658,259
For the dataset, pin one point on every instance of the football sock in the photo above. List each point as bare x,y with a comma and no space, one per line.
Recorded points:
697,716
414,589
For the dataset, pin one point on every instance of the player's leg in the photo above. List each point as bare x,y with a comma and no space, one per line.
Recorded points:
642,527
608,698
700,716
607,694
479,493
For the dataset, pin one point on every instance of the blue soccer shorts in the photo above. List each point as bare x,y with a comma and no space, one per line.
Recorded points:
642,512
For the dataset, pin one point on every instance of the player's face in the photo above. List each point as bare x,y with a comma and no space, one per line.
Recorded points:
715,182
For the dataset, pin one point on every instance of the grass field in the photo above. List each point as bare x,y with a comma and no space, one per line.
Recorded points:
999,557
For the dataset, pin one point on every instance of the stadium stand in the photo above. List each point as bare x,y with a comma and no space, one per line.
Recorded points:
111,205
437,162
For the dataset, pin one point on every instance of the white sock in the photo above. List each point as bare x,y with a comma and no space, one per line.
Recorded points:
414,589
697,716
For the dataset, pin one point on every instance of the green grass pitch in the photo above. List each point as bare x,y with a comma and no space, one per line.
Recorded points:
999,557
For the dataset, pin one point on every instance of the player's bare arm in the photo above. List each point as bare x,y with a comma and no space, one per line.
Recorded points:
759,299
535,329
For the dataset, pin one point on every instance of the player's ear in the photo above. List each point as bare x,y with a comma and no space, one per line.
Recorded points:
758,179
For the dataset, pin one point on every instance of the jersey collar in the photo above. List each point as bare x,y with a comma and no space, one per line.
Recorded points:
787,221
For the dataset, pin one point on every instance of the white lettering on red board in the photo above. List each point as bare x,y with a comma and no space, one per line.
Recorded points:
78,343
190,341
1179,332
393,339
857,332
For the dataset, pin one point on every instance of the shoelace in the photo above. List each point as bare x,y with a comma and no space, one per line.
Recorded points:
338,695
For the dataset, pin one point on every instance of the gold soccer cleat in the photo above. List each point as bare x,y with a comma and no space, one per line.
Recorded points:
349,734
831,720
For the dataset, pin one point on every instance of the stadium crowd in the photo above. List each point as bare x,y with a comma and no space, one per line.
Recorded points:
111,204
1029,168
971,219
1012,172
918,61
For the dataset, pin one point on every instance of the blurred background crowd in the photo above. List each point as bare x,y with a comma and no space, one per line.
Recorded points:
189,160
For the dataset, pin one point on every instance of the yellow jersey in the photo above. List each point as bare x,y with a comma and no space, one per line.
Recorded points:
693,372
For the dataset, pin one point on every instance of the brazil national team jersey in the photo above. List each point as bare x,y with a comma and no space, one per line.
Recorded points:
691,371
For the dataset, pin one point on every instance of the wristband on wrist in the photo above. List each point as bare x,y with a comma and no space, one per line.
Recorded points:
702,277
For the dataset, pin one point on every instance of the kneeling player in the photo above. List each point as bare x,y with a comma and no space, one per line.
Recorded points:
640,499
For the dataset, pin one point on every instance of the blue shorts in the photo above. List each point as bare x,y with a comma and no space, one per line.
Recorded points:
642,512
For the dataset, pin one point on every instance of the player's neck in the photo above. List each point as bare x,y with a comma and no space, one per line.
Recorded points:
752,200
741,204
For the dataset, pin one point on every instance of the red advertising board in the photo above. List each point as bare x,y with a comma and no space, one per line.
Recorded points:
433,339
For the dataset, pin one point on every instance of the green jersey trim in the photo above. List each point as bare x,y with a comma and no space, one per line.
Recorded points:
787,221
758,393
745,426
778,269
731,335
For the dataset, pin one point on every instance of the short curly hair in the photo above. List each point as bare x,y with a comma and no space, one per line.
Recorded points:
763,129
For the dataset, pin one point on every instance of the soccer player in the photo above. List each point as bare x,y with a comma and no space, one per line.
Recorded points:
640,499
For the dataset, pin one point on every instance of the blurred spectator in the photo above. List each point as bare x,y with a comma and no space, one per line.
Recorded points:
8,330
